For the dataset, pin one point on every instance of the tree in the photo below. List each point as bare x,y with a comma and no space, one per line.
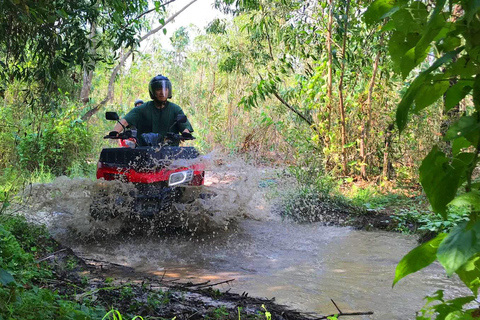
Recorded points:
42,40
123,58
452,37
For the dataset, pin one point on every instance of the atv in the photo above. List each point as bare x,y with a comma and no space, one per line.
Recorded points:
156,174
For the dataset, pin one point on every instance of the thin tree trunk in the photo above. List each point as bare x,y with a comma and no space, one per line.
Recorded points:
111,83
88,74
340,93
387,167
368,104
329,63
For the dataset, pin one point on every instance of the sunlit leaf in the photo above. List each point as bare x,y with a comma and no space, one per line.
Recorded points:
469,273
418,258
380,9
430,91
440,177
471,198
407,100
404,22
459,246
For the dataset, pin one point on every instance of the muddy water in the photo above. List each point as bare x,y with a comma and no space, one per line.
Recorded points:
303,266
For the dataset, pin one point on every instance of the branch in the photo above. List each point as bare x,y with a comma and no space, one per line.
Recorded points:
214,284
340,313
295,111
148,11
111,83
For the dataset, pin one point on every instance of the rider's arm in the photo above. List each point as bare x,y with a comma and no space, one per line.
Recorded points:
118,127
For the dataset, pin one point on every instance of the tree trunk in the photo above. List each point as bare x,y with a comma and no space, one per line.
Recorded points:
387,165
111,84
88,74
340,93
368,104
329,63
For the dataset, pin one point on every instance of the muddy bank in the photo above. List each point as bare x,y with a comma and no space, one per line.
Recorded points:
108,285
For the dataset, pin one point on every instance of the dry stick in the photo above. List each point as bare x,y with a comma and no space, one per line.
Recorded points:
214,284
340,313
196,284
346,314
163,275
51,256
336,306
107,263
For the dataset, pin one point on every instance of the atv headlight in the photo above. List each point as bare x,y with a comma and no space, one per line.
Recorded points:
180,177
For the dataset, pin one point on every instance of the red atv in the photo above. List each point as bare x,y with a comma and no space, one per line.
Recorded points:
158,173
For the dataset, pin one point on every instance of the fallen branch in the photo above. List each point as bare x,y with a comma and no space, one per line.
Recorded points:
51,256
214,284
340,313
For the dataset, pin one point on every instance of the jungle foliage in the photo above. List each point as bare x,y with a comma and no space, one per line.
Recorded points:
385,91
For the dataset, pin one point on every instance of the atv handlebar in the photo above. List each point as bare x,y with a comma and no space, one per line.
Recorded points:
126,134
175,136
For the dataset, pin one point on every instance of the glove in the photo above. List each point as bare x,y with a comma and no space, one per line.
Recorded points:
186,135
113,133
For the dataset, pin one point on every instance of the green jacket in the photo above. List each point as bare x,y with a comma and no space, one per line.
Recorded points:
148,118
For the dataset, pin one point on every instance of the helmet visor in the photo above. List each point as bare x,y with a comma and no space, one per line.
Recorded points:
162,88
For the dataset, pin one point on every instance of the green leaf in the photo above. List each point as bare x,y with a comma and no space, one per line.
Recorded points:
464,67
455,94
435,24
471,8
404,22
5,277
459,144
440,178
476,93
430,91
471,198
462,128
453,309
419,13
407,100
380,9
409,61
450,43
164,31
397,47
459,246
419,258
469,273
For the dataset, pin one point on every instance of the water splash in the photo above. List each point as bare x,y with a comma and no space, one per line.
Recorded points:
233,190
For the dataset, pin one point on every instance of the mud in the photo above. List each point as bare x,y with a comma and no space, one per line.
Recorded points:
133,293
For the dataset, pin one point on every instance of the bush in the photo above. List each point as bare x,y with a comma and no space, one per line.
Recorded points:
63,144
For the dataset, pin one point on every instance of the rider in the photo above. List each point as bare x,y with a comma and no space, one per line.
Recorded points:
158,115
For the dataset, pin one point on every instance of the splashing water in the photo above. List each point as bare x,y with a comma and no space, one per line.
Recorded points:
233,190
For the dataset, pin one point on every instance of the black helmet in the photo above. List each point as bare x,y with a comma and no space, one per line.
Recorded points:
137,102
160,82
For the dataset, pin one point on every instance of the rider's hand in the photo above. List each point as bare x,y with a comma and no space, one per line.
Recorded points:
186,134
113,133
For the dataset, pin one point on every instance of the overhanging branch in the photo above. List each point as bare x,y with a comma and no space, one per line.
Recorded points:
111,83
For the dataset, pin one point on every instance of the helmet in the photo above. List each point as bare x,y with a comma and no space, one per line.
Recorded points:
160,82
137,102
